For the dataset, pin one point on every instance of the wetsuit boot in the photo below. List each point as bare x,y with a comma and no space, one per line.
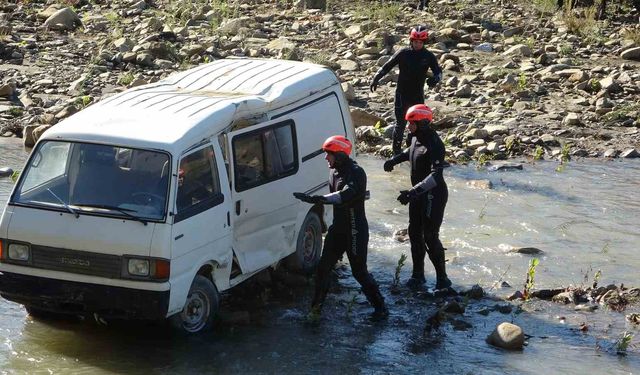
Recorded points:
437,258
372,292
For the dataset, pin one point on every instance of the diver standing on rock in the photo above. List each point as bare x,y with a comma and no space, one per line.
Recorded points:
350,230
428,196
413,62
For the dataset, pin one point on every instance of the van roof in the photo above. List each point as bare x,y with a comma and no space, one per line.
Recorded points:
187,107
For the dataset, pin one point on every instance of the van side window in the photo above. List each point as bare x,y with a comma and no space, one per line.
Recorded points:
264,155
198,184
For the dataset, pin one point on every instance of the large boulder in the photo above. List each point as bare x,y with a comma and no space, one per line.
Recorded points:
631,54
507,336
360,117
64,19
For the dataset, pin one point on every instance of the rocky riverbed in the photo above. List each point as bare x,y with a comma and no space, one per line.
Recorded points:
520,77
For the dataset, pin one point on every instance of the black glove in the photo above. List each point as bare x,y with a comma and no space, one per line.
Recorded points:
388,165
432,81
310,199
374,85
406,196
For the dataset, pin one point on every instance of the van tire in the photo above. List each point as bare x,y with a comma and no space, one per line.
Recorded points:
200,309
308,246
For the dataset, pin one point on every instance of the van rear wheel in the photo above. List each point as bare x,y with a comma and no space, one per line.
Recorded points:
308,246
200,309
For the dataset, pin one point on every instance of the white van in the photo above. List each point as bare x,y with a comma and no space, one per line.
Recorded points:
151,202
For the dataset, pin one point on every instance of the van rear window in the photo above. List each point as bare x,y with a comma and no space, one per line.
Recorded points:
264,155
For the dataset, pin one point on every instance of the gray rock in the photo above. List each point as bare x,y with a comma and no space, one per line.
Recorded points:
349,91
630,153
572,119
37,132
631,54
610,153
8,89
360,117
5,171
124,44
464,91
518,50
610,84
507,336
484,47
27,135
348,65
64,19
586,308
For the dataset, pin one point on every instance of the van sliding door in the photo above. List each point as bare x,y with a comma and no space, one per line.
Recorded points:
264,164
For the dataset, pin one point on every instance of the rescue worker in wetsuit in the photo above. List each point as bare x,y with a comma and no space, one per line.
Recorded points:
413,62
428,196
350,229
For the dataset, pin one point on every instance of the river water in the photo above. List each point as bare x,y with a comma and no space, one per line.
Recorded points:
584,218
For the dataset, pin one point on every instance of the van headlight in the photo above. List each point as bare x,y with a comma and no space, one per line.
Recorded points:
18,251
138,267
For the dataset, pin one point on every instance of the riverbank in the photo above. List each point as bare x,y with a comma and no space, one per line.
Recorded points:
520,79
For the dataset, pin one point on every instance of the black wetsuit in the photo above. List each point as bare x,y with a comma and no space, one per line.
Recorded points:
426,210
413,66
349,232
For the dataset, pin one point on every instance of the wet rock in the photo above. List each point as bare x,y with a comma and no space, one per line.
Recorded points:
633,318
401,235
503,308
460,325
630,153
5,171
63,19
453,307
527,251
565,297
349,91
586,308
37,132
547,294
476,292
610,153
480,184
507,336
504,166
515,295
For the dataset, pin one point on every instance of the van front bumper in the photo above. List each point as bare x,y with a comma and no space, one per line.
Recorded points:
77,298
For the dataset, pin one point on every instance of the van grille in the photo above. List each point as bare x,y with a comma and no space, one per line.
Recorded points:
74,261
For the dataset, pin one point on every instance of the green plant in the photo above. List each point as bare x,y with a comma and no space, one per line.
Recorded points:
623,343
83,101
522,82
15,175
396,276
632,34
15,111
596,279
623,113
564,157
544,6
565,50
483,209
385,12
580,25
511,144
605,248
531,273
126,79
538,153
482,160
594,85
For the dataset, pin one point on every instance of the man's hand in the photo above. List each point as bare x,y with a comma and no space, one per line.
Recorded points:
432,81
406,196
388,165
374,85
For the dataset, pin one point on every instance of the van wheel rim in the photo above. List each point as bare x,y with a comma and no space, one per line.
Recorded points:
309,247
196,311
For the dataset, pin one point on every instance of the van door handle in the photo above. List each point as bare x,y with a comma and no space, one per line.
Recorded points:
238,206
179,237
228,219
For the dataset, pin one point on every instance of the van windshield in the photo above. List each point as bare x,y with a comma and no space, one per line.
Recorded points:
99,179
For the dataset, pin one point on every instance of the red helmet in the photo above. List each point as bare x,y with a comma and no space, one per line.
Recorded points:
419,33
419,112
337,143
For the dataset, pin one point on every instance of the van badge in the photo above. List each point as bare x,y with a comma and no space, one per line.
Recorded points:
75,262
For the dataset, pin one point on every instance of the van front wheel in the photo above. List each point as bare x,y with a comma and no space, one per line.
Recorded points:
308,246
200,309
